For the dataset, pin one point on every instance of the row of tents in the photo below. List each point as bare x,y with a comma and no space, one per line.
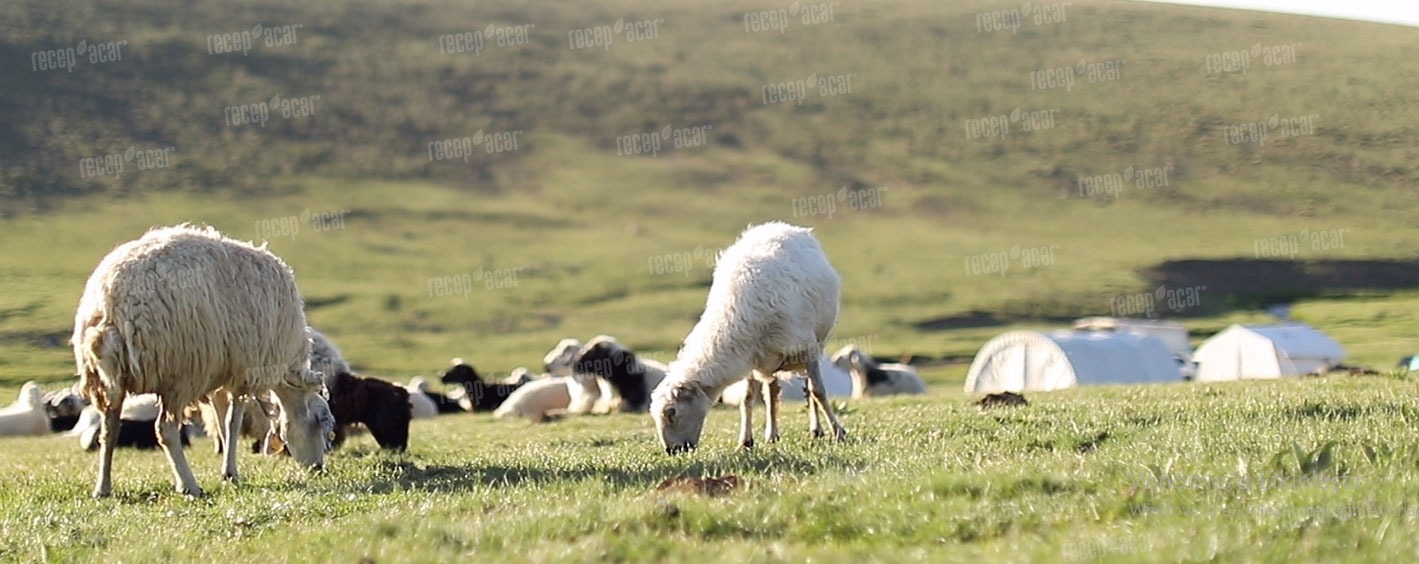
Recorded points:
1107,350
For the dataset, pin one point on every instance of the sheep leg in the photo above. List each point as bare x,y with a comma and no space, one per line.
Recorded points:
108,438
818,394
771,401
746,415
235,412
170,438
219,404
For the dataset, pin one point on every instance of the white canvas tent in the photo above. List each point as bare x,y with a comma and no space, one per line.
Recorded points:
1171,333
1265,351
1021,361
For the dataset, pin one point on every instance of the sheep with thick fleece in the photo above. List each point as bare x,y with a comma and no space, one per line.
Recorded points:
183,312
869,378
771,305
537,400
27,415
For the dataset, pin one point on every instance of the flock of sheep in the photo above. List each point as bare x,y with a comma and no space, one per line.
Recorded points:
185,324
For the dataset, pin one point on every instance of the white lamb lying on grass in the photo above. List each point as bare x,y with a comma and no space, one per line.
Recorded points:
588,393
771,306
538,400
27,415
872,379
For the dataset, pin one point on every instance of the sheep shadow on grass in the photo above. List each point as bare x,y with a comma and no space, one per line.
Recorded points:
404,474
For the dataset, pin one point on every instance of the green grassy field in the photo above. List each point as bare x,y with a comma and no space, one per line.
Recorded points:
943,237
1163,473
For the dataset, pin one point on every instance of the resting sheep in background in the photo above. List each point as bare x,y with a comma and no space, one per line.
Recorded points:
589,394
183,312
538,400
836,381
481,395
771,305
428,403
63,408
630,377
872,379
137,426
27,416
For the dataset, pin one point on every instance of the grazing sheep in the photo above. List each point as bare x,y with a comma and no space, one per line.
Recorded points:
538,400
482,396
184,312
771,306
872,379
631,378
428,403
137,427
27,415
380,406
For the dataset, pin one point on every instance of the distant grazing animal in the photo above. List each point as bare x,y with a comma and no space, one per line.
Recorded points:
539,400
771,305
27,415
482,396
380,406
631,377
872,379
184,312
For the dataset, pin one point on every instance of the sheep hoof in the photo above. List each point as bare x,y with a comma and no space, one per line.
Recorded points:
102,493
771,438
818,433
839,435
194,493
229,478
747,445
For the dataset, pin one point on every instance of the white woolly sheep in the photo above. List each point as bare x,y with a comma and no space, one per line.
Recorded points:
421,404
771,305
537,400
27,415
872,379
630,377
184,312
